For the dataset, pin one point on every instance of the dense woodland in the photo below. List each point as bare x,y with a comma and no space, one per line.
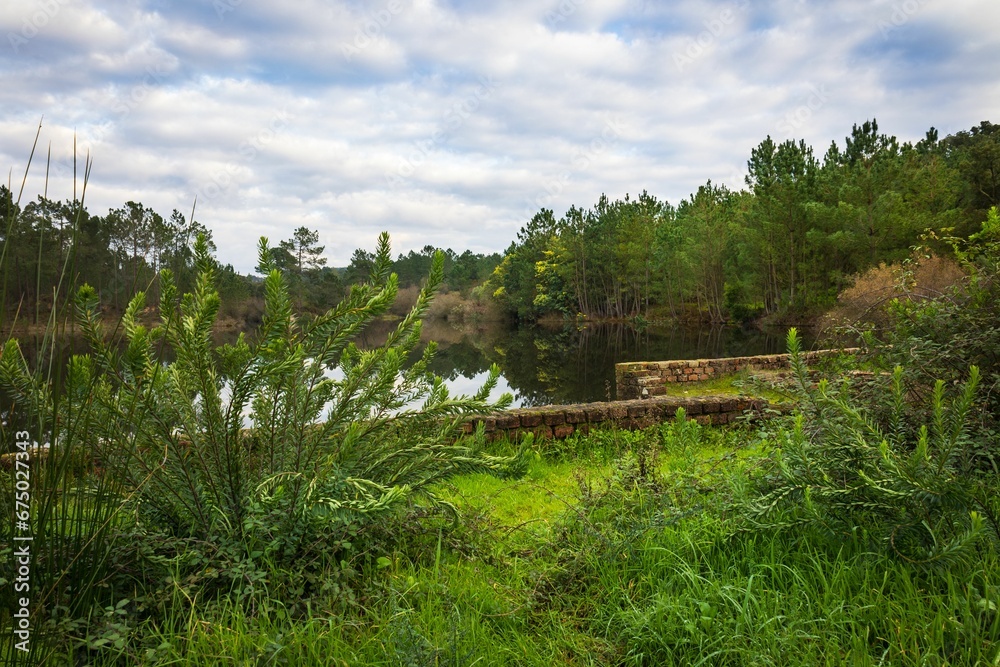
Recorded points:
784,246
123,252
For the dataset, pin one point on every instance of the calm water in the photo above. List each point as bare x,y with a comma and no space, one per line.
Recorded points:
547,365
577,365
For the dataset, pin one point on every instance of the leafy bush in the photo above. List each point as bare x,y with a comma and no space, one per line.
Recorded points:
911,487
244,464
940,338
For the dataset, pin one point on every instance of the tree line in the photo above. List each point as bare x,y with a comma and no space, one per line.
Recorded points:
52,247
784,246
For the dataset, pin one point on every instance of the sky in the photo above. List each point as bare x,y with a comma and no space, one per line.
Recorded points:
450,122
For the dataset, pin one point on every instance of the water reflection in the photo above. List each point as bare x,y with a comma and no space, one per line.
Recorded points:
577,365
570,364
540,365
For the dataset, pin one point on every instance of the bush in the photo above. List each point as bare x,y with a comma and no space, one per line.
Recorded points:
868,299
862,472
940,338
263,462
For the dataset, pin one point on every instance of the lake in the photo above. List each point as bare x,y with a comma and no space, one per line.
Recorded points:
574,364
544,365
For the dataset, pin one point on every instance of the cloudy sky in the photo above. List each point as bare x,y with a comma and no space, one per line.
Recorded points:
450,122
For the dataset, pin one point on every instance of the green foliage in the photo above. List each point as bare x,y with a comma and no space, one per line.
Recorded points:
264,462
940,338
597,262
461,271
260,447
976,155
70,516
301,262
908,486
709,216
632,569
784,247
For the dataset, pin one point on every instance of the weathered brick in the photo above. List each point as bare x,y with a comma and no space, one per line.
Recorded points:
692,407
709,406
575,416
531,419
508,421
597,413
704,420
637,410
562,431
542,432
555,417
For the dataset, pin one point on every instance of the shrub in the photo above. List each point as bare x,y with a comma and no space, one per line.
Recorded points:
867,300
250,462
910,487
405,300
940,338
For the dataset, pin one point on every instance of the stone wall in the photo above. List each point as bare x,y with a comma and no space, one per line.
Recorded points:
647,379
560,421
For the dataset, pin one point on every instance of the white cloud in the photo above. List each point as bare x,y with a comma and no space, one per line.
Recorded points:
277,116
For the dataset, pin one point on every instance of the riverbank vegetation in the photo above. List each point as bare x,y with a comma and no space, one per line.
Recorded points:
51,246
783,248
242,504
780,249
292,498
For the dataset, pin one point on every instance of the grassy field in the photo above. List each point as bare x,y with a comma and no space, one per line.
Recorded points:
617,548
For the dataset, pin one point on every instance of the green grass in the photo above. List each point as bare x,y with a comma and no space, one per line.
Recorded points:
619,549
754,384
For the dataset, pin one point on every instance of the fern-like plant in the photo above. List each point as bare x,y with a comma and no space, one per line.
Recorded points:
276,449
908,485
